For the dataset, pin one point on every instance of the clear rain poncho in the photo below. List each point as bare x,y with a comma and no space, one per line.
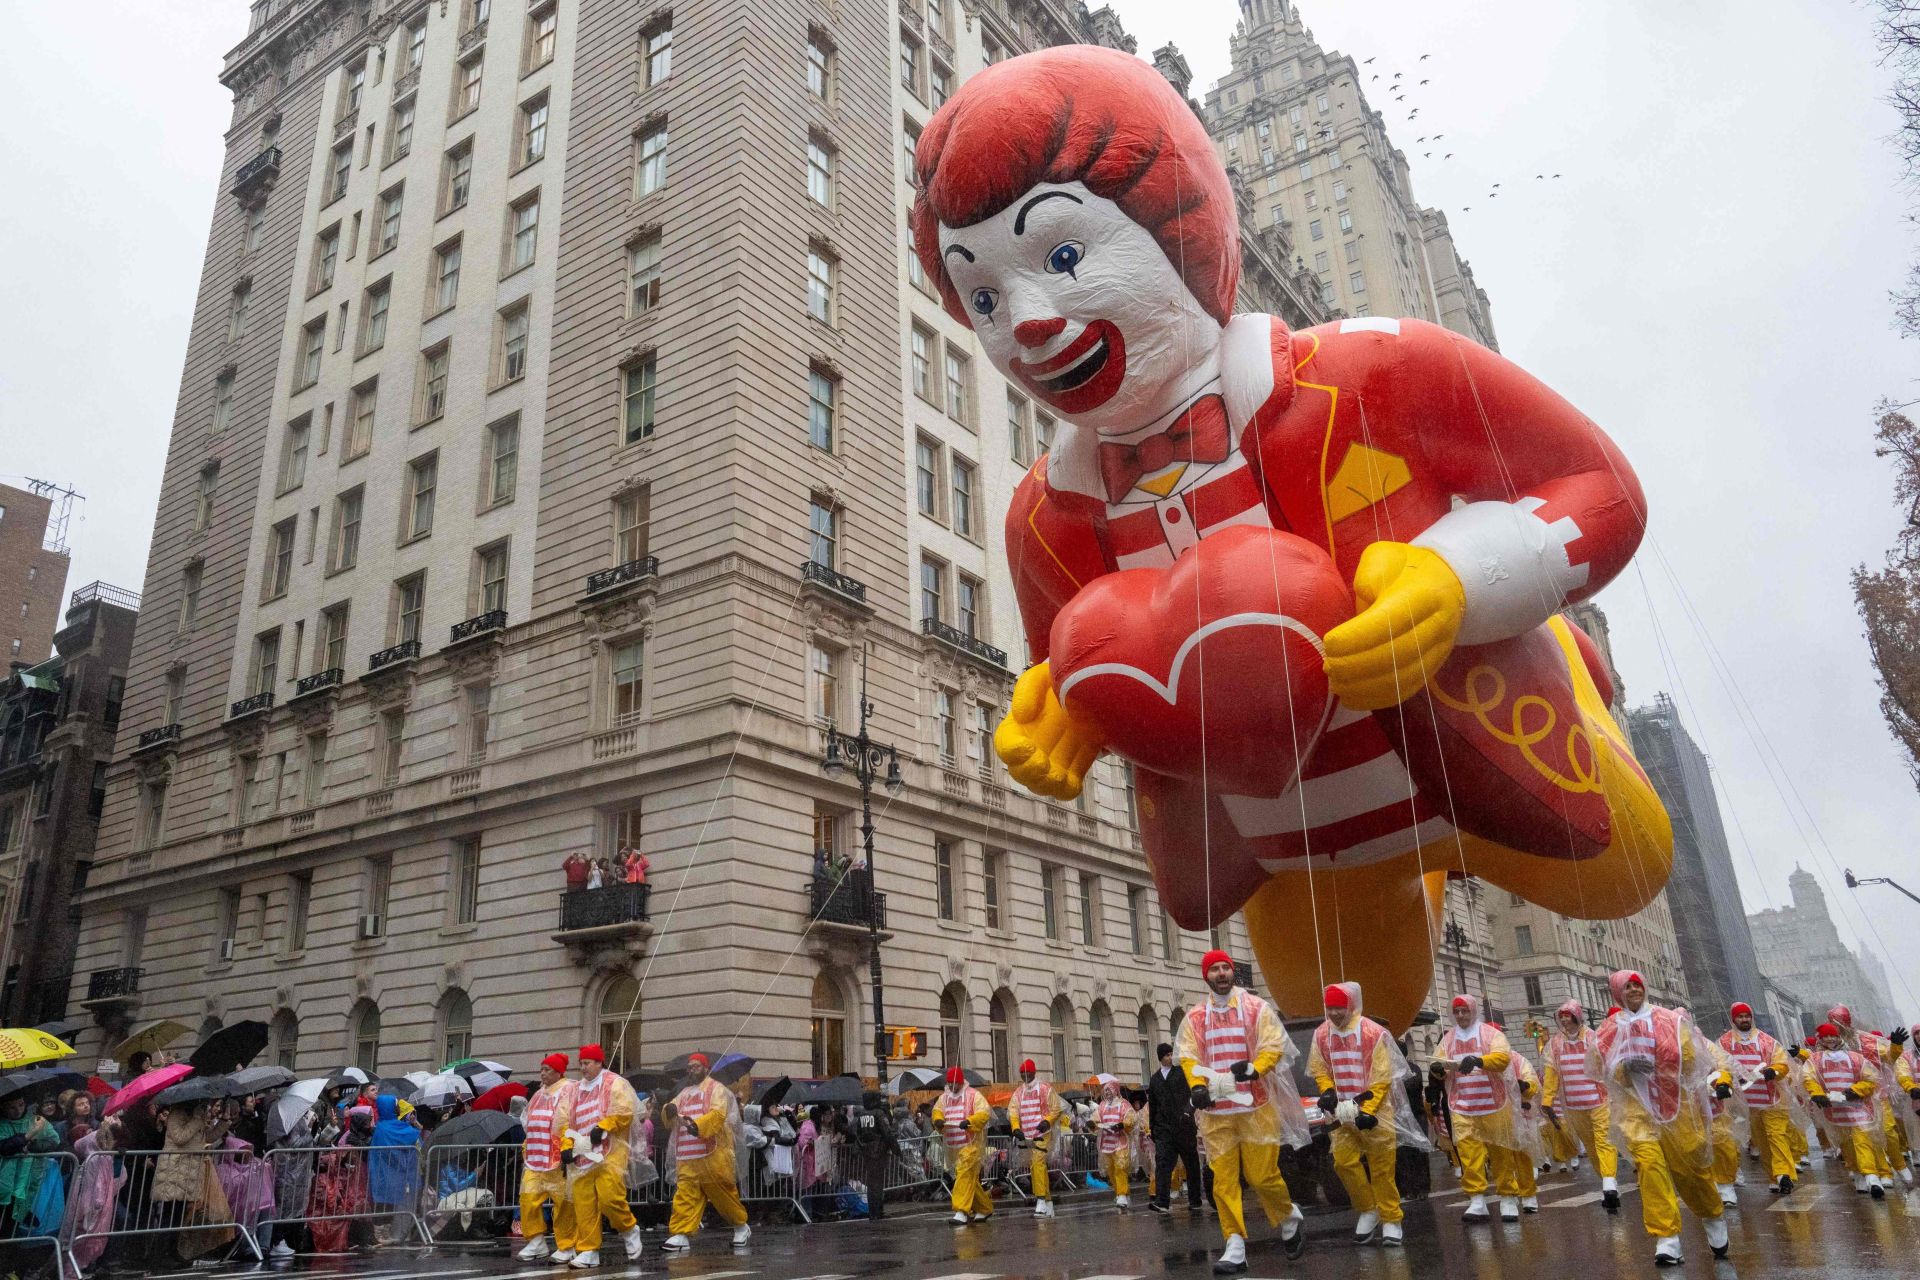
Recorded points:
1276,1117
1376,1042
1659,1071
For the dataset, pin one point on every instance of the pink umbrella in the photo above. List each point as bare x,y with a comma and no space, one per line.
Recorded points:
140,1088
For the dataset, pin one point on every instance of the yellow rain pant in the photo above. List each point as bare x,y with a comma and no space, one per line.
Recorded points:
1666,1178
706,1181
1590,1127
1726,1152
1796,1139
1116,1165
537,1189
1370,1184
968,1195
1772,1134
1895,1140
1260,1163
1513,1172
600,1190
1862,1152
1042,1185
1561,1148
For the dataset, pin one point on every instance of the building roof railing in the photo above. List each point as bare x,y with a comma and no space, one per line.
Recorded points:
104,591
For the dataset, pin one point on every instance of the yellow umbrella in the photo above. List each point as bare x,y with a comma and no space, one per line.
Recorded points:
20,1046
151,1038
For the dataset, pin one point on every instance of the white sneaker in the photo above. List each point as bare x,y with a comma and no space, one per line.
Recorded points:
1574,1164
1476,1210
1390,1235
742,1234
958,1219
536,1248
1716,1229
1233,1258
1666,1251
1043,1208
1529,1204
1608,1184
1365,1224
676,1243
581,1261
631,1242
1509,1209
1906,1177
1727,1196
563,1255
978,1217
1805,1163
1860,1183
1119,1202
281,1249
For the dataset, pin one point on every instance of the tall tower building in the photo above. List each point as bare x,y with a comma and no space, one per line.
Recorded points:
33,574
1799,947
1293,119
567,436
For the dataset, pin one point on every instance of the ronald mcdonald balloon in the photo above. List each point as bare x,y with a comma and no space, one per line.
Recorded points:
1308,582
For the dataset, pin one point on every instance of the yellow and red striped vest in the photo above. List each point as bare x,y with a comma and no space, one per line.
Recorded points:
1349,1054
1112,1113
1749,1056
1578,1091
1838,1071
543,1136
1033,1103
694,1101
1476,1093
956,1109
1227,1037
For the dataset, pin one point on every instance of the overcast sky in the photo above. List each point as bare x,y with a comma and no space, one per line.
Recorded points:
1708,280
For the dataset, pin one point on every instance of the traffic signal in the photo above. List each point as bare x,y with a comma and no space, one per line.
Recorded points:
904,1043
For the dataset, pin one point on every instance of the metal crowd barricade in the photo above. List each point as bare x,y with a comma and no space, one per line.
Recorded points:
470,1192
43,1222
331,1184
223,1197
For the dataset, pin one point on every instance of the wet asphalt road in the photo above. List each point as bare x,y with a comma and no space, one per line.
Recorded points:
1823,1230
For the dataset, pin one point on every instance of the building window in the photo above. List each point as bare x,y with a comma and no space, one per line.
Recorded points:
992,864
1306,170
1169,939
423,476
1339,191
353,90
822,395
416,46
933,589
279,559
660,53
1523,939
299,907
940,83
1019,443
409,602
819,66
944,895
153,805
1059,1032
446,275
653,160
945,731
393,736
491,576
313,343
434,366
366,398
373,318
1357,281
1320,104
909,158
543,30
466,92
503,461
921,345
963,497
326,258
1532,986
1316,230
514,328
333,638
826,835
926,476
829,1028
266,662
1138,926
479,700
951,1048
463,885
346,531
1346,220
819,172
966,606
630,520
533,130
958,381
910,66
823,529
456,177
1050,901
237,310
626,686
340,171
637,397
523,235
980,749
620,1023
392,202
823,668
1090,912
820,273
400,131
293,455
189,597
643,275
313,770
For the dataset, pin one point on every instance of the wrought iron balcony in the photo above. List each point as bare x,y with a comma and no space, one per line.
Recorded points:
815,572
491,620
969,645
257,172
328,679
620,574
850,900
114,984
405,651
248,706
599,908
165,734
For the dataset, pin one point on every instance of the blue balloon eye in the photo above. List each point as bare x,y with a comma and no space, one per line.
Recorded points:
984,301
1065,257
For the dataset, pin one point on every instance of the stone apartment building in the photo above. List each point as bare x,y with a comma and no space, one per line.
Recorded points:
33,575
1799,948
565,434
57,723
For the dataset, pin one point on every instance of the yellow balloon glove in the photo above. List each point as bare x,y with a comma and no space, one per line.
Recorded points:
1410,607
1043,748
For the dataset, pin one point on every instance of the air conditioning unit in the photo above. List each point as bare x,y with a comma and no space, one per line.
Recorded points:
226,948
370,925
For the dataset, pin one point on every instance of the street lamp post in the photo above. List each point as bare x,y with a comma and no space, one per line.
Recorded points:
1854,882
870,761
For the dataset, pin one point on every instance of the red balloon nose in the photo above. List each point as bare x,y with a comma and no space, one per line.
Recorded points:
1035,333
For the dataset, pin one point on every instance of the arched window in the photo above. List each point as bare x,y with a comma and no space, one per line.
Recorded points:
284,1032
456,1026
363,1035
953,1002
1060,1027
829,1027
620,1023
1147,1027
1000,1022
1099,1034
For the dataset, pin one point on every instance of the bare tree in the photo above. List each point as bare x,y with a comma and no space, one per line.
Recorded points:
1899,38
1889,599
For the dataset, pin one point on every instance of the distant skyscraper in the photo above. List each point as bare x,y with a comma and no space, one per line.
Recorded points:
1799,948
1703,895
33,577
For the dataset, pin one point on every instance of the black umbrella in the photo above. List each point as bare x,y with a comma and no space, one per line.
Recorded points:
678,1067
230,1048
648,1081
253,1080
776,1092
399,1087
841,1089
355,1076
193,1089
63,1029
477,1129
917,1078
39,1079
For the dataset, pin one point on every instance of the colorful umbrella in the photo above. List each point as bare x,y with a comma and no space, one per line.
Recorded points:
151,1038
498,1097
24,1046
731,1068
141,1088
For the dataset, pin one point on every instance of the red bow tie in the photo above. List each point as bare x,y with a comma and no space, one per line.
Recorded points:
1198,435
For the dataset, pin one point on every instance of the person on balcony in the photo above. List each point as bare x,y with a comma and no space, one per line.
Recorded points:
578,870
1036,1112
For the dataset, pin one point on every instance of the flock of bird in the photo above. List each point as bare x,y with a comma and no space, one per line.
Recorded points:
1398,86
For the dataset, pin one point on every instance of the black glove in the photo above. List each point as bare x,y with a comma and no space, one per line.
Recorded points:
1526,1106
1469,1063
1898,1035
1328,1101
1043,1128
1914,1094
1723,1091
13,1146
1242,1070
1768,1073
1366,1120
690,1127
1201,1098
1437,1073
566,1157
1550,1113
1822,1101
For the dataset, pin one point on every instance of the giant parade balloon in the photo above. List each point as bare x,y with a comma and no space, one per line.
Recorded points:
1308,582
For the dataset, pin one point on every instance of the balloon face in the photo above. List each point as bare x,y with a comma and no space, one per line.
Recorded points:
1076,302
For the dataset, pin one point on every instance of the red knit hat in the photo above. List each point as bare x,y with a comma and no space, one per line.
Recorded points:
1028,1066
700,1058
593,1053
1739,1008
956,1076
1212,958
556,1061
1811,1040
1336,998
1826,1029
